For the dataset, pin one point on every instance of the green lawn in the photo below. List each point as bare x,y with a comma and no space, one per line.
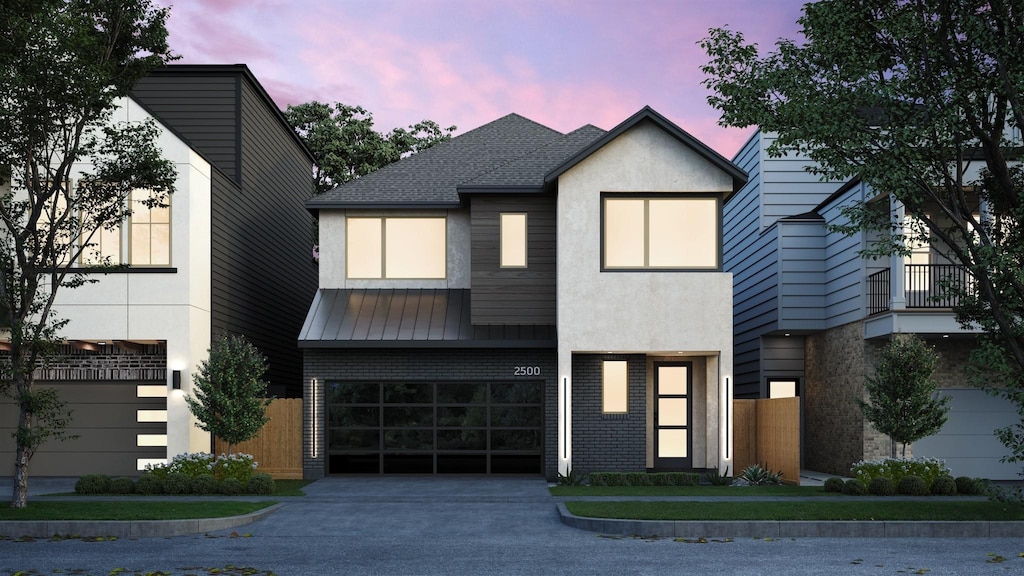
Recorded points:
690,491
134,510
801,510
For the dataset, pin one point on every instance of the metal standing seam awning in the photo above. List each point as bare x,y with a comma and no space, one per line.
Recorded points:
408,318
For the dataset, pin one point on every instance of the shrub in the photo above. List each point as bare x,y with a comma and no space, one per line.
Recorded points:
673,479
882,486
637,479
231,487
944,486
644,479
716,477
928,469
757,475
122,486
204,484
854,487
260,483
834,485
912,486
93,484
192,464
177,483
601,478
968,486
238,466
159,470
571,478
149,484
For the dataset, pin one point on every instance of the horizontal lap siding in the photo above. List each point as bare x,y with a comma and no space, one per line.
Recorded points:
513,295
750,256
801,276
844,267
263,274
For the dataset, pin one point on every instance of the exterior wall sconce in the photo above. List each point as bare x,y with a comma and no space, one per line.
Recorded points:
176,380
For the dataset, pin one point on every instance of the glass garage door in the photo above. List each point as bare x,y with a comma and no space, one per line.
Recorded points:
435,427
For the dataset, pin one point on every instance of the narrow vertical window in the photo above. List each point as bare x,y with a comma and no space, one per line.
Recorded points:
614,387
149,232
364,243
513,240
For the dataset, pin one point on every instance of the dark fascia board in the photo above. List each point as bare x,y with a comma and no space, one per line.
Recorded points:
837,194
739,177
243,70
446,344
313,205
500,190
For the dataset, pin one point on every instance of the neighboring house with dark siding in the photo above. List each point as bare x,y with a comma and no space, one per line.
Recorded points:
230,255
522,300
812,315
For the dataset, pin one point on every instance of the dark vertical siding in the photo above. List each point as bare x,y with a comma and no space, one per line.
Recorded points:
513,295
201,108
263,274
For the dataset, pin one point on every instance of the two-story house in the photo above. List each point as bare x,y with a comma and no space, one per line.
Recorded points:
521,300
230,254
811,316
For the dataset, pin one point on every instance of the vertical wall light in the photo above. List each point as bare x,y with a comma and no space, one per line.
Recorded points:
314,418
176,380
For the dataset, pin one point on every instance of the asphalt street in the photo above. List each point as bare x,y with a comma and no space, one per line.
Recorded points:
444,526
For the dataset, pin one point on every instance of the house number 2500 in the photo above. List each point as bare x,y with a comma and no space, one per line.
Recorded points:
526,371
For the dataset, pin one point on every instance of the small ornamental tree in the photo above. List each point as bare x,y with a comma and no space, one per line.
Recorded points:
902,401
230,391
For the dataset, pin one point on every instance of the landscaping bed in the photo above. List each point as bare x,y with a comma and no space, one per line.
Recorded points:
854,509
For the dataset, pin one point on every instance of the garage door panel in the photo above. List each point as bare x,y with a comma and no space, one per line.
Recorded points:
57,463
967,442
956,445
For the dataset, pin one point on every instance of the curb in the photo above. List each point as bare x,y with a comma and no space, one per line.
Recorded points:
131,529
792,529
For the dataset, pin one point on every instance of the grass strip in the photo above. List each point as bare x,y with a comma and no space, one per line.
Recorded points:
800,510
802,491
134,510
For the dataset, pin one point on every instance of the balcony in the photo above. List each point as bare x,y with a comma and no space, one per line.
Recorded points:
927,286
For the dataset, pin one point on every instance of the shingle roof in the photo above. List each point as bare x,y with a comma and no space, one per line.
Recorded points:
529,170
430,177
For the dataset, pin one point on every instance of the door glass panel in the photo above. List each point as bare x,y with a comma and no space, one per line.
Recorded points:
515,439
354,440
672,412
461,393
516,393
516,416
405,393
672,380
354,392
408,439
470,416
671,443
354,416
400,416
461,440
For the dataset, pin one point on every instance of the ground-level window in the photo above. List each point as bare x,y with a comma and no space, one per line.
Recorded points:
782,388
396,248
614,387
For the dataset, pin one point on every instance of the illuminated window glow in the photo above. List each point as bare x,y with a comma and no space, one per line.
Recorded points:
151,391
513,241
396,248
149,231
151,415
781,388
667,233
614,387
151,439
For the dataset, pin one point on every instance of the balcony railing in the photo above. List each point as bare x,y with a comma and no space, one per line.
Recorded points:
925,285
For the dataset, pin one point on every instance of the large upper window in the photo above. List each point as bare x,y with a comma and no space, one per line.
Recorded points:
669,232
149,232
395,248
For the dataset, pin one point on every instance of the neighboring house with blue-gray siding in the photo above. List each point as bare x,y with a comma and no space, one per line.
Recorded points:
521,300
811,316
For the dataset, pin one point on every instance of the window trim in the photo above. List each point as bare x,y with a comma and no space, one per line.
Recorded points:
501,240
384,246
717,197
605,383
127,248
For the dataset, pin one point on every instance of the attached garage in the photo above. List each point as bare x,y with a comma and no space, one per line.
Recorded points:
435,427
967,442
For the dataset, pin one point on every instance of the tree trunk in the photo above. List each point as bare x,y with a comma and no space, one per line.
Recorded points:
892,448
19,497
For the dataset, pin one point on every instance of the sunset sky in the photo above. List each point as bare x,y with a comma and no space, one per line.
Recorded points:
563,63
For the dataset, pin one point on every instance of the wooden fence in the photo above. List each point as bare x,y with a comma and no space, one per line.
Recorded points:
767,432
278,446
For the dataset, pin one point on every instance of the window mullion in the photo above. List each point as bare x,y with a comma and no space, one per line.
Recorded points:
383,247
647,234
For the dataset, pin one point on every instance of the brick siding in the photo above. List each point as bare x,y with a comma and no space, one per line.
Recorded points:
607,442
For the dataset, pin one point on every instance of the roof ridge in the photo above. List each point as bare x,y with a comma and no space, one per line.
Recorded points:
496,167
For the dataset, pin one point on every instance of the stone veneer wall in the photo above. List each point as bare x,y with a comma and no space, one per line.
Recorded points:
424,364
608,442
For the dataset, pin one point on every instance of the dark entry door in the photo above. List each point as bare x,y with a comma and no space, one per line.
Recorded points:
673,442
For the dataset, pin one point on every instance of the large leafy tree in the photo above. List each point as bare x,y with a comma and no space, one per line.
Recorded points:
345,144
921,99
902,401
67,172
230,390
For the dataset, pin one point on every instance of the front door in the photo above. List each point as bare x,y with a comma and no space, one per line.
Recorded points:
673,384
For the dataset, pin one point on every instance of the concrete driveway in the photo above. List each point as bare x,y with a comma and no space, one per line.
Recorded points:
486,525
